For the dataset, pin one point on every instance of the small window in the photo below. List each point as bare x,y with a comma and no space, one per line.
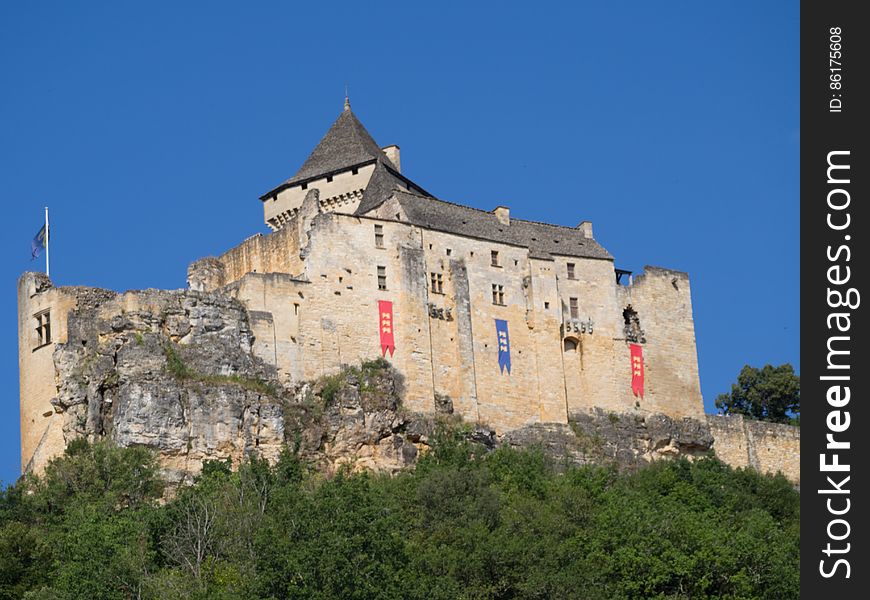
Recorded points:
304,186
295,308
355,172
329,179
449,252
575,310
379,236
382,278
437,283
546,305
570,345
571,274
494,256
43,328
498,294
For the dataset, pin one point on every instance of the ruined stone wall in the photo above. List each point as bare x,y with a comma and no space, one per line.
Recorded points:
41,426
766,447
277,252
663,302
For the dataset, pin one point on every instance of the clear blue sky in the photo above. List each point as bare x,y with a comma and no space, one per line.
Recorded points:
151,129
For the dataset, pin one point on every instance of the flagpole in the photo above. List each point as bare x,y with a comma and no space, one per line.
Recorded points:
47,236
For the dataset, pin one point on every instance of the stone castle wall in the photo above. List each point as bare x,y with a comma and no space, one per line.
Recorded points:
310,294
322,313
766,447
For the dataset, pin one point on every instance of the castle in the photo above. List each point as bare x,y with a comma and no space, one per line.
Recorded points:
510,322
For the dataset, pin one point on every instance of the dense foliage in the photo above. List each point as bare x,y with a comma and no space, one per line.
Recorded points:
464,524
766,394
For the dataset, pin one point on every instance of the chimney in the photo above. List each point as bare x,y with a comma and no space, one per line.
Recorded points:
586,228
392,153
503,214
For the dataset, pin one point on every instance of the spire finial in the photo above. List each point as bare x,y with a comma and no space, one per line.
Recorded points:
346,99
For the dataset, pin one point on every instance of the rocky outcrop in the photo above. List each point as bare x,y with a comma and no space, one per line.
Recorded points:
173,371
354,419
628,440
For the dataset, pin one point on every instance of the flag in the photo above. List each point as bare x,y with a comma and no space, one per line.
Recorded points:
385,326
504,346
636,369
37,245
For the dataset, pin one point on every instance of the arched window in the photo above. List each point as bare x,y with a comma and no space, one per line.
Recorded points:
570,344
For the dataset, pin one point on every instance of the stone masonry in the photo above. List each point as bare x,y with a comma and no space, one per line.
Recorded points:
349,230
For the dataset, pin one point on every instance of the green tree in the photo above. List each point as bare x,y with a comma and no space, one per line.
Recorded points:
767,394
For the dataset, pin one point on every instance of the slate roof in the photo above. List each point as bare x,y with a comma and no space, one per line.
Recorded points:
542,239
383,183
347,144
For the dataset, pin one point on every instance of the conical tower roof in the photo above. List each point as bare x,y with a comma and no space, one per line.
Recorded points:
346,145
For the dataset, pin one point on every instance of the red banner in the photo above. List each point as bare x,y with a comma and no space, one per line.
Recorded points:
636,369
385,325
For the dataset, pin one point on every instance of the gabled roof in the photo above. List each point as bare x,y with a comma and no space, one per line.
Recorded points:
542,240
383,183
347,144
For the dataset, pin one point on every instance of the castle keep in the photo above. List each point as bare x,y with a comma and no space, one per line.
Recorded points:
505,321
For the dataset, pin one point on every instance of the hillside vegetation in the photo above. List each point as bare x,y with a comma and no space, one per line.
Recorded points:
466,523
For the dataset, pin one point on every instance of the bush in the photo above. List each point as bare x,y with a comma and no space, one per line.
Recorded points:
465,523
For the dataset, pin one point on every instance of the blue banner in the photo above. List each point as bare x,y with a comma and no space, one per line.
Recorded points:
504,346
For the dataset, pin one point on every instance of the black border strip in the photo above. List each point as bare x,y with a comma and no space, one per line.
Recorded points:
834,229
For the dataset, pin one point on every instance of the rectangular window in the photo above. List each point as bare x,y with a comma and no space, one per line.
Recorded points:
575,310
571,274
498,294
382,278
379,236
43,328
494,256
437,283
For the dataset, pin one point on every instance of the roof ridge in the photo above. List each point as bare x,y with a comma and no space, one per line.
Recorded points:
487,212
